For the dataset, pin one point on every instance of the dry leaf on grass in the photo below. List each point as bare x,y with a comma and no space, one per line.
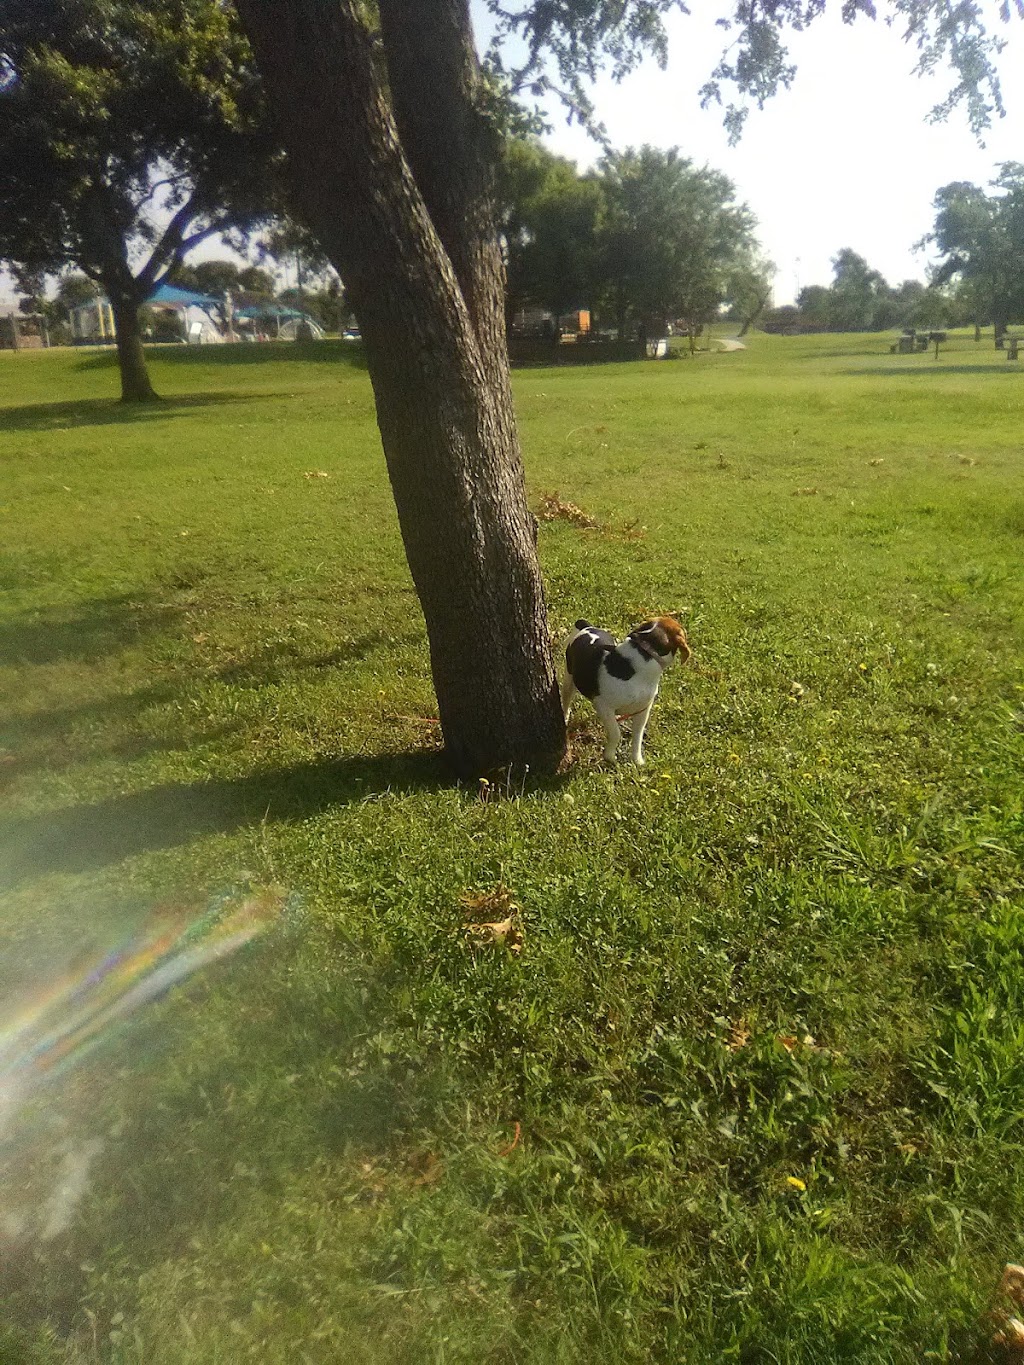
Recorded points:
791,1042
316,474
553,508
1009,1330
503,931
494,901
739,1035
428,1169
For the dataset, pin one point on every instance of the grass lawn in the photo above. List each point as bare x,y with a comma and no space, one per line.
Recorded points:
752,1087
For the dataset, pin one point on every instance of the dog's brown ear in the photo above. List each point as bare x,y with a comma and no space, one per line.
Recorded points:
676,636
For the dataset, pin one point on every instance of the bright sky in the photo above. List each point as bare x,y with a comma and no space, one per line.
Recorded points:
846,157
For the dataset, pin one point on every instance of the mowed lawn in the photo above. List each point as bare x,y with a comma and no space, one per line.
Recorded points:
745,1082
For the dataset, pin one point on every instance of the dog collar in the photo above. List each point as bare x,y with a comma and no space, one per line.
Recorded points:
643,648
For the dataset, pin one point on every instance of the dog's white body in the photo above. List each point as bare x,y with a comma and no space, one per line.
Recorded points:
621,680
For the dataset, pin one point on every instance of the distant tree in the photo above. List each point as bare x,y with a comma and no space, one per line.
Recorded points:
915,304
256,281
814,304
857,294
670,235
748,289
74,291
32,286
860,300
981,237
130,131
524,166
558,259
292,246
785,319
206,277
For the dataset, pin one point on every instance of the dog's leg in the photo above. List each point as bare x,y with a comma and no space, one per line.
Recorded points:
639,726
567,692
610,722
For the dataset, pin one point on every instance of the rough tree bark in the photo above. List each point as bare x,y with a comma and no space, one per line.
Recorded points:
105,256
135,382
396,183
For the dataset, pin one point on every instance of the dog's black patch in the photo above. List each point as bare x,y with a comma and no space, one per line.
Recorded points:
583,657
619,666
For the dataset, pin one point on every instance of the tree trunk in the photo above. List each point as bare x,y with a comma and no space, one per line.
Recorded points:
398,194
131,359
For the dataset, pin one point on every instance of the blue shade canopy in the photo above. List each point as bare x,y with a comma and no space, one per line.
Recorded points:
272,310
182,298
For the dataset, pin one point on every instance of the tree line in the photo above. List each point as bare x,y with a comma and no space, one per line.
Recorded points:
645,238
978,280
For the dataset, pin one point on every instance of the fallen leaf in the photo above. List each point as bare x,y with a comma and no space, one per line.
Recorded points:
796,1182
1010,1335
429,1169
1012,1284
739,1035
499,931
553,508
494,901
316,474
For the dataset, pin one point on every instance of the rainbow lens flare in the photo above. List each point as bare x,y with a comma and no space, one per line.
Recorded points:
55,1027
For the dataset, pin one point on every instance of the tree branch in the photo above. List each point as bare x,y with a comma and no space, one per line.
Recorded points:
439,104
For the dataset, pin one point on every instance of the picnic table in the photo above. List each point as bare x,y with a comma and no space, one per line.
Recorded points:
912,341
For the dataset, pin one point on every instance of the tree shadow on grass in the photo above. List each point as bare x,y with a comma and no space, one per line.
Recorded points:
100,412
326,352
114,725
85,838
85,633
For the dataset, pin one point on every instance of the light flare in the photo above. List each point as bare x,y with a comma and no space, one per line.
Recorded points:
58,1025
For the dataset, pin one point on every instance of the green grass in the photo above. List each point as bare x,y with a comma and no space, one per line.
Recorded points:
763,1040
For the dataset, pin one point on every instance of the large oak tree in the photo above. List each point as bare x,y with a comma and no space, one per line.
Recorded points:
389,123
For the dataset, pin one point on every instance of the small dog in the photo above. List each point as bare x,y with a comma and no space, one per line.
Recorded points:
621,680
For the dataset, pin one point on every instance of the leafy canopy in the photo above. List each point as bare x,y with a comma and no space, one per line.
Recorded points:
981,237
561,44
127,128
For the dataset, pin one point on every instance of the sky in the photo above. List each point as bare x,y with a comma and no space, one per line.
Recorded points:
845,158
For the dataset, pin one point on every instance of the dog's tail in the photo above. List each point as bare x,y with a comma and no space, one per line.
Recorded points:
566,686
